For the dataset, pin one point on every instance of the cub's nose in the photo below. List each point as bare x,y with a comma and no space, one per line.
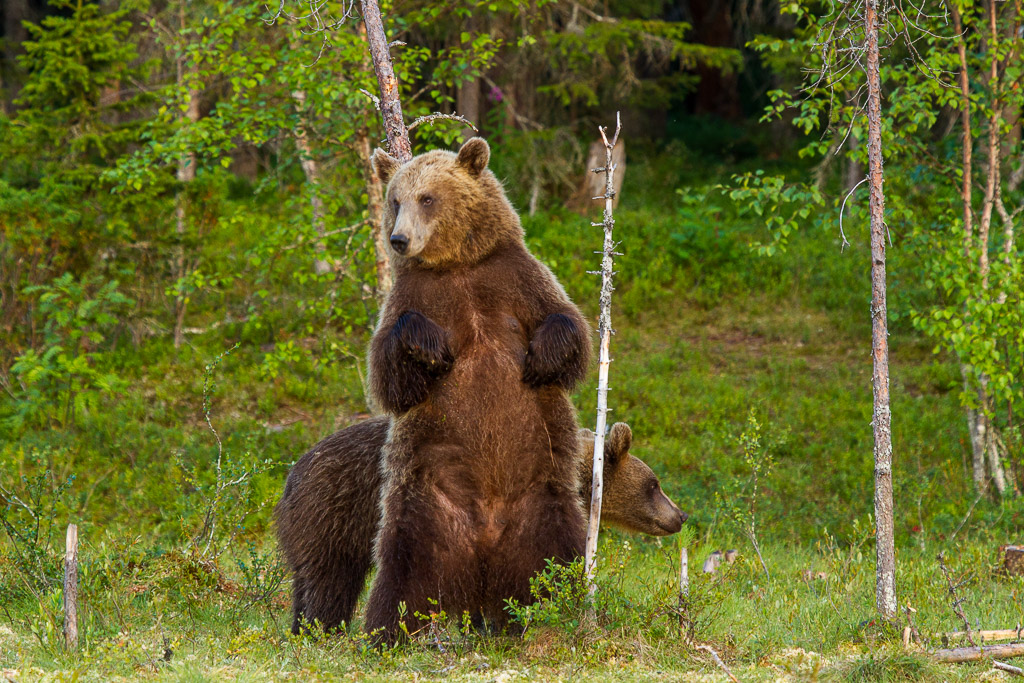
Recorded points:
399,243
683,516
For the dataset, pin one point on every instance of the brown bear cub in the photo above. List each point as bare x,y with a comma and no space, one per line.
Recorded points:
328,516
473,356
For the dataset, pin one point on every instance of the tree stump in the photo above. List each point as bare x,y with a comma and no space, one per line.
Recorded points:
1013,560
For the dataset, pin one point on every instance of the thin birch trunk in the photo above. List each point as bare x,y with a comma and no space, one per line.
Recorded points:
390,103
984,424
605,332
311,169
885,553
977,445
965,123
186,174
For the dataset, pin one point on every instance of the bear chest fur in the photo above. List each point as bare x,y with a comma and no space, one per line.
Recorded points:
483,431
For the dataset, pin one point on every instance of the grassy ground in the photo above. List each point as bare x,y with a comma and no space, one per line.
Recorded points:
707,335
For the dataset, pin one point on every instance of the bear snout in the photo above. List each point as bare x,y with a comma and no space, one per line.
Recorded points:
683,517
400,243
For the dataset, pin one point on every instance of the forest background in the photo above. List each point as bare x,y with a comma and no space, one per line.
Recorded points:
189,277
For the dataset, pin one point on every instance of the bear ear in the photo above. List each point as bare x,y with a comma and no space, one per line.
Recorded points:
474,155
617,443
384,165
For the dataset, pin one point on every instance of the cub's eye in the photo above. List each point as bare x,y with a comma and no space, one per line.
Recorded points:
396,203
426,201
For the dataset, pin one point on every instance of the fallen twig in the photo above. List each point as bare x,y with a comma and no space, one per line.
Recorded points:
957,600
1003,666
973,654
718,661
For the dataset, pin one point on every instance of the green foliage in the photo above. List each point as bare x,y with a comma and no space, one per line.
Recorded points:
61,382
29,518
740,504
960,290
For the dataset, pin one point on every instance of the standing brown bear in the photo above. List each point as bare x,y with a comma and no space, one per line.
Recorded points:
328,516
473,356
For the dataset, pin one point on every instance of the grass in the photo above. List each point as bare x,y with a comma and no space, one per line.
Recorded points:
705,332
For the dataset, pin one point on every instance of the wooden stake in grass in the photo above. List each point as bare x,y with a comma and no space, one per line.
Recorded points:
605,332
71,588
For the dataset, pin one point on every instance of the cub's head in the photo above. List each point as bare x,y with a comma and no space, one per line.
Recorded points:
444,209
633,499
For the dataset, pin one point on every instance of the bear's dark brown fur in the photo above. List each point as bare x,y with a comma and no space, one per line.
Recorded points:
328,516
473,355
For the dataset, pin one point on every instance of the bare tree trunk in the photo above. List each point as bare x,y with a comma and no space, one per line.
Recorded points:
987,437
977,445
468,105
311,169
375,209
885,552
390,103
965,123
185,175
605,332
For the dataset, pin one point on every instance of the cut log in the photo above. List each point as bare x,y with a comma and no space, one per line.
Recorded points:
972,654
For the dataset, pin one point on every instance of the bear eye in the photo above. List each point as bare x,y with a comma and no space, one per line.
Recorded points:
426,200
396,203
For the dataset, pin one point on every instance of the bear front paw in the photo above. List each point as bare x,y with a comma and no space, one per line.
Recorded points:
425,342
557,354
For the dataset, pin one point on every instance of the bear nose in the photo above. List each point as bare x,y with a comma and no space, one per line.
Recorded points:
683,516
399,243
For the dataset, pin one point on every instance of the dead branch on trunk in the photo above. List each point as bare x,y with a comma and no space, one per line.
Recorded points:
429,119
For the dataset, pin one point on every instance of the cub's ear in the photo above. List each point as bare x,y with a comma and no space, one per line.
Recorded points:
474,155
384,165
617,443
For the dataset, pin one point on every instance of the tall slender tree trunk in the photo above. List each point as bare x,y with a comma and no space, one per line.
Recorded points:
390,103
977,444
311,169
186,174
885,551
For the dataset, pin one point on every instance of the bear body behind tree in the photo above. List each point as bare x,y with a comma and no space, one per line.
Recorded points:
328,516
473,356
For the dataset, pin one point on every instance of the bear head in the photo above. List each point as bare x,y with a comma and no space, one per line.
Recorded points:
444,209
633,499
